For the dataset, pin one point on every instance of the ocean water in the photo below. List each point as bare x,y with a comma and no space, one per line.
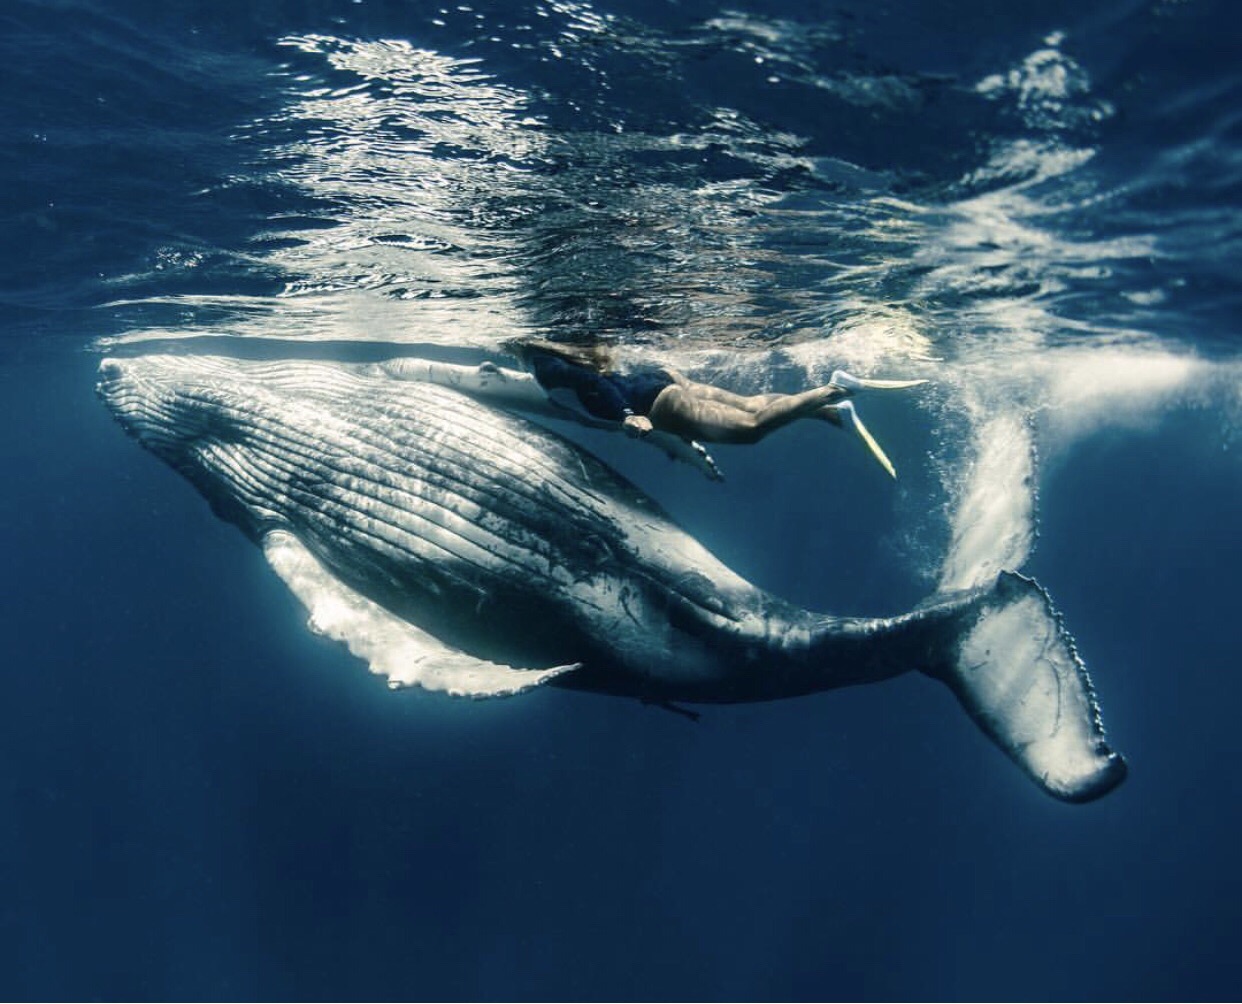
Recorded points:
1039,210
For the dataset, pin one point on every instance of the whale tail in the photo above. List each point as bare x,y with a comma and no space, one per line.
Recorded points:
1015,669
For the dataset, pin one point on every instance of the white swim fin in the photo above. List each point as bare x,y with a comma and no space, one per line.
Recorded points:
848,381
847,408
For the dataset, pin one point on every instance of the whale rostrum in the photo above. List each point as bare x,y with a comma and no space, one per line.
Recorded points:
461,548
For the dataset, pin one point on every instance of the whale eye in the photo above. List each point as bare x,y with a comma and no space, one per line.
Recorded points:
598,551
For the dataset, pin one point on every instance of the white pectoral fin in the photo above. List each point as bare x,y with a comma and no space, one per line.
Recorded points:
392,647
520,391
486,381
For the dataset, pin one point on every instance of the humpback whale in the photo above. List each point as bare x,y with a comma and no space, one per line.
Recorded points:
462,548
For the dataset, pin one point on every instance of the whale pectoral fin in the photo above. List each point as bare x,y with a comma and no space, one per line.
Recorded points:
392,647
486,381
1016,671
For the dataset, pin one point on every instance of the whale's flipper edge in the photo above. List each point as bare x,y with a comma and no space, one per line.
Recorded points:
392,647
1017,673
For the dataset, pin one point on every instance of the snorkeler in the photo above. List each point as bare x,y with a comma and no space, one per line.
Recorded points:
646,398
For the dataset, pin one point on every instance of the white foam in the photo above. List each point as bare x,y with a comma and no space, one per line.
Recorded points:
1066,395
876,338
992,521
1051,90
1089,389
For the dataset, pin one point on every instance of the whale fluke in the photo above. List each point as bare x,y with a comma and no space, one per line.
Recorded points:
1018,675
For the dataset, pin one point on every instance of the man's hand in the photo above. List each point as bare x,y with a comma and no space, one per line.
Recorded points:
636,425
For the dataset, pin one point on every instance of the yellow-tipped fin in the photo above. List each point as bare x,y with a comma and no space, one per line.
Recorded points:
872,445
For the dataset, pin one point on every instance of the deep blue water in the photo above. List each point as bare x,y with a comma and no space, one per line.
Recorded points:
1039,210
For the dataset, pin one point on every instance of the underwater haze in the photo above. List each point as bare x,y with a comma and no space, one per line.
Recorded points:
1037,208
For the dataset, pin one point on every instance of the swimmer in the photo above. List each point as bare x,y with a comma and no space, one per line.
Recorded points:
646,398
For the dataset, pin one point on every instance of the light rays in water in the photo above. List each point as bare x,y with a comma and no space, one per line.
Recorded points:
439,205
